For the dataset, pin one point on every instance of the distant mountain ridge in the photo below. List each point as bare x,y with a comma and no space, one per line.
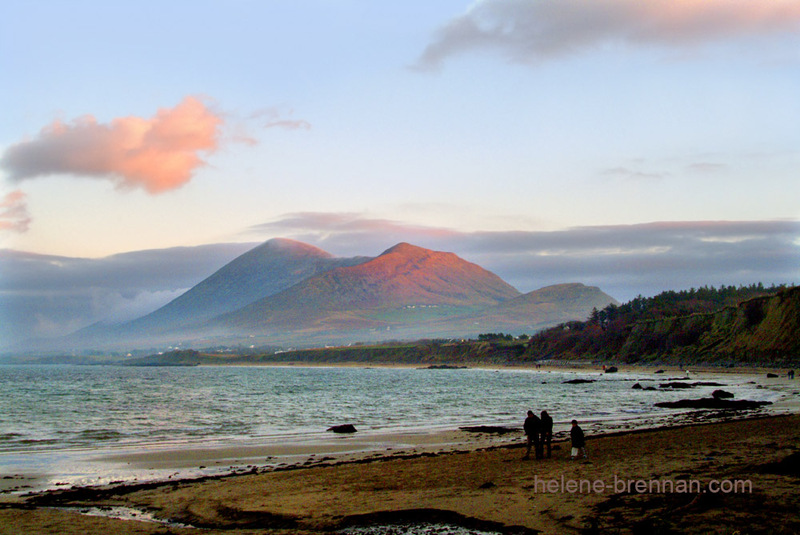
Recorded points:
284,291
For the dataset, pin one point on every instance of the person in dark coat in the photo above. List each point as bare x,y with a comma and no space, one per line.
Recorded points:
578,441
533,428
547,432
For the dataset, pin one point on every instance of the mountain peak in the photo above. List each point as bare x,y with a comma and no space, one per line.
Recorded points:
286,245
406,249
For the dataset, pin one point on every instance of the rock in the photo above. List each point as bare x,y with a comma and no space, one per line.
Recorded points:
577,381
494,429
637,386
721,394
611,369
659,371
771,376
712,403
676,385
346,428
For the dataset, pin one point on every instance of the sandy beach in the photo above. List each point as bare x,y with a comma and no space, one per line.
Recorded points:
722,477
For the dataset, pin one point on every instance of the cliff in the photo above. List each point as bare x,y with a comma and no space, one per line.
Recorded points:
762,330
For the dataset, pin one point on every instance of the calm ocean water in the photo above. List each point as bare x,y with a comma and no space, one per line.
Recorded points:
52,411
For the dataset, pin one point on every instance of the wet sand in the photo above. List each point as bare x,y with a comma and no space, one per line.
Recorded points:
661,480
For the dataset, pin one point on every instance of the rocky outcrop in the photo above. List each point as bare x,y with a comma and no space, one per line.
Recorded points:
577,381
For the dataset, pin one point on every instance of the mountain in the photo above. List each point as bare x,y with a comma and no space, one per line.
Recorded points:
548,306
287,292
265,270
376,293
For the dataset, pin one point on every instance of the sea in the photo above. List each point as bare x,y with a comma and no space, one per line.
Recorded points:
58,422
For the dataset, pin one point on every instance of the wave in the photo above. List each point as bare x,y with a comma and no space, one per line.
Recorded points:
99,435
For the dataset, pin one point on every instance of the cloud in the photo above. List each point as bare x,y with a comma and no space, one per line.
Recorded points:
623,260
14,215
289,125
347,233
46,295
241,127
157,154
626,173
706,167
530,32
277,118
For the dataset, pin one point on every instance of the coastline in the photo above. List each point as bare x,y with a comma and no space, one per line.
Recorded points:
483,486
165,462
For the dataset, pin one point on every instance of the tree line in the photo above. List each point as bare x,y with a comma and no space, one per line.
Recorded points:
680,303
605,331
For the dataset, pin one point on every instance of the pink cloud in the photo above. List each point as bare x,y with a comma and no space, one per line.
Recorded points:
14,212
529,32
156,154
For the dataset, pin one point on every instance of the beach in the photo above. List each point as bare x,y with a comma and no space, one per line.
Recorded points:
720,476
646,471
85,426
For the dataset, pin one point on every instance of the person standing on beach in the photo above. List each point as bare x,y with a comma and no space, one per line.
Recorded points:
547,432
578,441
532,427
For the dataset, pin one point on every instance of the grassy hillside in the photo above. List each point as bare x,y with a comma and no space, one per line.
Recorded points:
763,329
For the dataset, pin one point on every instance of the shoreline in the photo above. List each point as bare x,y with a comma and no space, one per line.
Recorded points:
170,464
165,462
486,484
544,365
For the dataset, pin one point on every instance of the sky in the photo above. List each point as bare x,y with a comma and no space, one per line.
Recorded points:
635,146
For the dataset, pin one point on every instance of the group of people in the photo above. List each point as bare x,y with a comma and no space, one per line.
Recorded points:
539,433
